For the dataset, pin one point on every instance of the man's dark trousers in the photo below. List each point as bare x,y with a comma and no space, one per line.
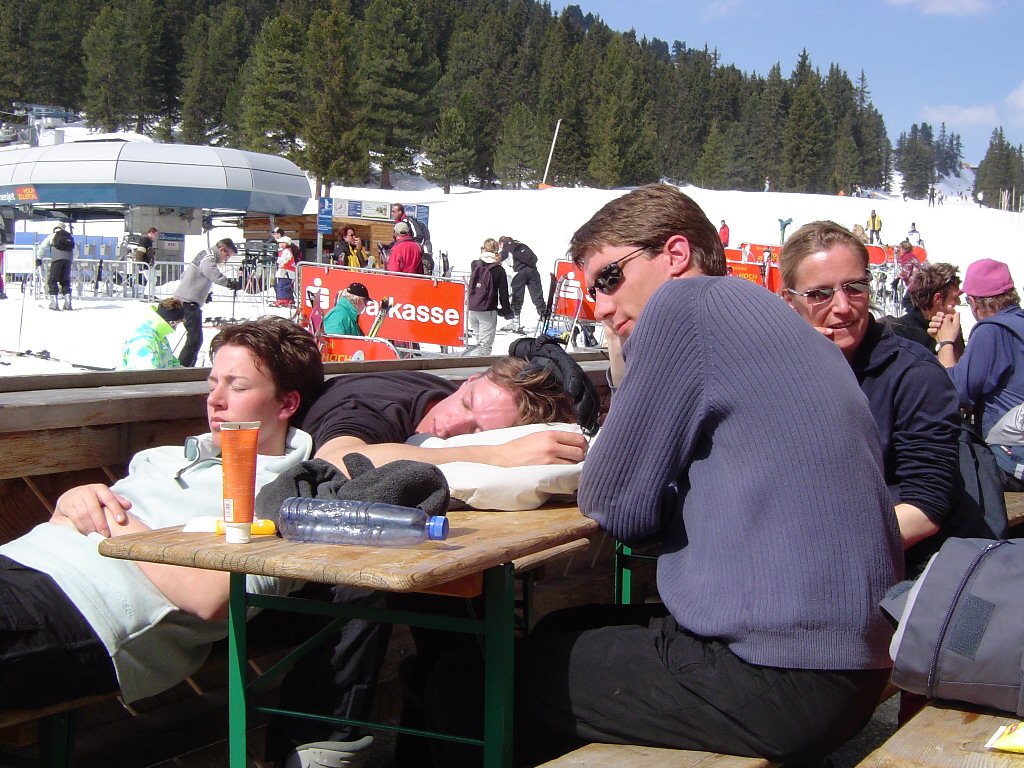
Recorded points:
193,321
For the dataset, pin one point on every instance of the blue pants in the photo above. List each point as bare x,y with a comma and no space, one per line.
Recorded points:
283,288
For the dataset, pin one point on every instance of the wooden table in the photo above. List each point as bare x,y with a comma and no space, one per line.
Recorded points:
945,735
478,543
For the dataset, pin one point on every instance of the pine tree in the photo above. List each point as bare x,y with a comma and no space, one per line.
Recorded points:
449,150
270,104
711,167
333,147
518,157
108,101
915,159
766,123
846,161
198,96
54,62
14,24
398,69
1001,170
807,142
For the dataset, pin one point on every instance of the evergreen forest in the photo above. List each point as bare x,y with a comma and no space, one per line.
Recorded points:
352,89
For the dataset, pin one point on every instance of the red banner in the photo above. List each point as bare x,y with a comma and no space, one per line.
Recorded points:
877,254
572,292
341,349
755,273
423,309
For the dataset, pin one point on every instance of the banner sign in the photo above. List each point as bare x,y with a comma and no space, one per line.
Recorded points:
756,273
372,209
343,349
571,285
25,194
424,309
325,216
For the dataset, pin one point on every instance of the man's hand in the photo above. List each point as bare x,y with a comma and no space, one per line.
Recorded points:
86,508
547,447
945,326
616,364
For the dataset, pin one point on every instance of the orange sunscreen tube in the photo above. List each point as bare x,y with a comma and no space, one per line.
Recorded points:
238,444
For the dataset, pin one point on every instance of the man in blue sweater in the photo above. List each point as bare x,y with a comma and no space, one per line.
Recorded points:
740,441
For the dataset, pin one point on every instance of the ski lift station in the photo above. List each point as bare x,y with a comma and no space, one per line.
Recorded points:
180,189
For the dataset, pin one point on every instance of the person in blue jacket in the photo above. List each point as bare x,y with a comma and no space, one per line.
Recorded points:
825,279
989,375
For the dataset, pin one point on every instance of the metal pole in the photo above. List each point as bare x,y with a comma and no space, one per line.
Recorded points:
551,151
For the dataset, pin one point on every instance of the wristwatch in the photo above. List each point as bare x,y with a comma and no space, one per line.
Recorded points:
941,344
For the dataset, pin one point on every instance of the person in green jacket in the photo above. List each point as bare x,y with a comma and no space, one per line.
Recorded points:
343,319
147,347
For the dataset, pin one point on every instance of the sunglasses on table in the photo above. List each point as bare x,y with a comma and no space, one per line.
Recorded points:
852,289
610,276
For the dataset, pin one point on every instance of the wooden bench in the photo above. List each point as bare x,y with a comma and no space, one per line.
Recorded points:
630,756
945,735
52,727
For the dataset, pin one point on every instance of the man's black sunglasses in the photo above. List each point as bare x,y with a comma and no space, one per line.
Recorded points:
610,276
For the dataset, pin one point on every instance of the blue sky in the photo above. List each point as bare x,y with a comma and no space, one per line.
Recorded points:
934,61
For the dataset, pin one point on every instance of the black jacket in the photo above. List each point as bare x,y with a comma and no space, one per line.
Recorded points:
522,255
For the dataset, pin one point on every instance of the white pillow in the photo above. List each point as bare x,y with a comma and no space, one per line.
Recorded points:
485,486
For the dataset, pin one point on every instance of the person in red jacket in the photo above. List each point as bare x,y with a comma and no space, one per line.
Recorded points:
405,254
723,234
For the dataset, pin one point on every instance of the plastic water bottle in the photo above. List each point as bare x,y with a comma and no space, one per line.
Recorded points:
370,523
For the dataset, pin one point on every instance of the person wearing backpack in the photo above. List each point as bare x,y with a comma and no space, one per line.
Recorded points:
989,374
61,247
487,296
824,278
419,232
405,255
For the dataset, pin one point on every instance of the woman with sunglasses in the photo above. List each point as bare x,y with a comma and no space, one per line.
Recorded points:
825,279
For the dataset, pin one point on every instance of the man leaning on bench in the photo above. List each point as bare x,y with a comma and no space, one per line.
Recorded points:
738,439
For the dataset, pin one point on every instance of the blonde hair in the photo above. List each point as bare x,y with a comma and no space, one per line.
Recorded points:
491,245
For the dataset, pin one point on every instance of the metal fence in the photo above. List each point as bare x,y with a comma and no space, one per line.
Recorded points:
122,279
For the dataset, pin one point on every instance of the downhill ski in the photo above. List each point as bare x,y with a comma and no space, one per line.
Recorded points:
382,312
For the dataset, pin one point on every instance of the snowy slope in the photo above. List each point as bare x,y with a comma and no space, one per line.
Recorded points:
957,232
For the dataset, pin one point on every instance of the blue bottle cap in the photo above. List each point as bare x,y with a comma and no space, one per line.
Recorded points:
437,528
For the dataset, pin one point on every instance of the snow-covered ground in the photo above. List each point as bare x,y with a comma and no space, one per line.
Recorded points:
958,232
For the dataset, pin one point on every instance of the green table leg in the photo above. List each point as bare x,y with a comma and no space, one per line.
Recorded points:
499,594
236,672
623,574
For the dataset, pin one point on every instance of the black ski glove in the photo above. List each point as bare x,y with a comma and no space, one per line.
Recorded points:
406,483
546,354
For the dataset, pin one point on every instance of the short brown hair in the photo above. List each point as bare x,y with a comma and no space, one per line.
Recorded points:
283,350
228,243
929,280
646,218
539,397
989,305
813,238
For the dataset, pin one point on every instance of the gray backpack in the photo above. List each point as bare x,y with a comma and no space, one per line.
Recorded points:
961,625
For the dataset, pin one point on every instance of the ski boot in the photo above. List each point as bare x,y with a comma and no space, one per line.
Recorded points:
67,302
3,295
54,305
512,326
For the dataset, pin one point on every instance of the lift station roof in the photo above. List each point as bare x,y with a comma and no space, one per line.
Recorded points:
96,179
